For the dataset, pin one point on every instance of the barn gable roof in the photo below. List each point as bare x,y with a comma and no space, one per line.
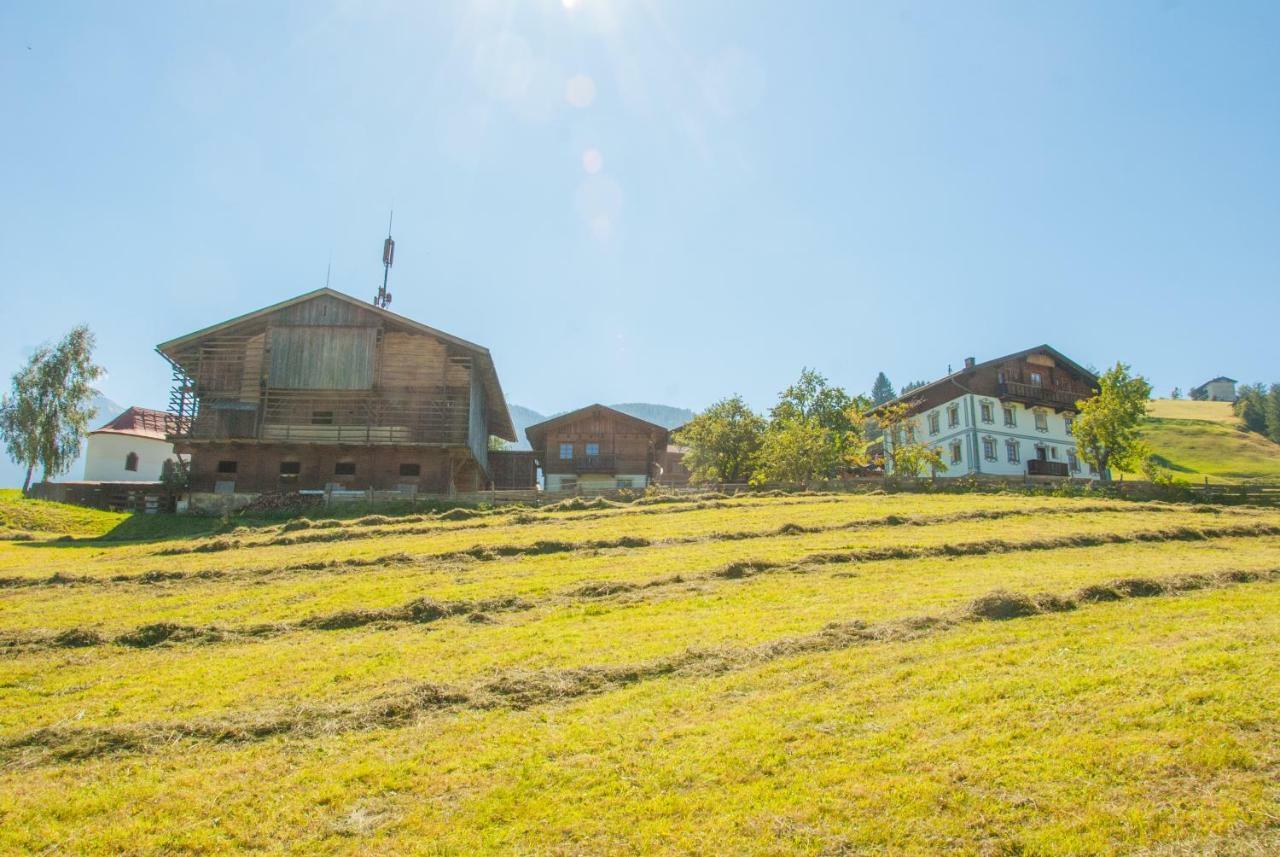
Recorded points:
501,425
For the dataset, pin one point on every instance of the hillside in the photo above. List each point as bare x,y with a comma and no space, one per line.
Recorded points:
816,674
21,517
1196,440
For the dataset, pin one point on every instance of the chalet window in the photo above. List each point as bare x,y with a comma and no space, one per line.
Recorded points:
344,468
625,483
410,469
227,467
934,423
1053,453
1010,418
955,452
566,452
1070,424
1073,461
1042,421
1012,452
953,416
290,468
989,449
131,462
988,412
593,449
322,418
1036,379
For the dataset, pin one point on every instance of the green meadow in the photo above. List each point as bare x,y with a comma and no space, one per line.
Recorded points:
811,673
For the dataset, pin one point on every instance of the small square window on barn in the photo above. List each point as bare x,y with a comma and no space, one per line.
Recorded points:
322,418
131,462
593,449
344,468
290,468
227,466
411,469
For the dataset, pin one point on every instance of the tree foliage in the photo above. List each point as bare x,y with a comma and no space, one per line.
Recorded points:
904,455
1258,407
723,442
46,413
815,430
914,385
1176,394
797,450
881,390
1107,428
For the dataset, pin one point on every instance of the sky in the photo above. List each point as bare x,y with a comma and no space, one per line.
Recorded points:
641,200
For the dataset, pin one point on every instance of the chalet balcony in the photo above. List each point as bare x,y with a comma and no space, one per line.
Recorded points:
1036,467
607,463
1058,398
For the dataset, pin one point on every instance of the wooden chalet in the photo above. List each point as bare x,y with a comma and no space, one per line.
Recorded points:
324,390
597,448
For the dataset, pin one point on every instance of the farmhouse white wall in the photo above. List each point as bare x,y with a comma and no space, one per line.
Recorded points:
1056,438
106,453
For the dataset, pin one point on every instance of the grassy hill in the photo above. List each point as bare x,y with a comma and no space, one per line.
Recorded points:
22,517
759,675
1202,439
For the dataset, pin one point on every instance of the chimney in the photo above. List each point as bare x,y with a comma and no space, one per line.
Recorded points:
969,362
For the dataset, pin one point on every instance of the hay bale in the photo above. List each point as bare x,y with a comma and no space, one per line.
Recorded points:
1002,604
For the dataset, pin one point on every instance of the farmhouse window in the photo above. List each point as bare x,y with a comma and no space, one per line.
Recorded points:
322,418
344,468
131,462
1069,423
227,467
1011,451
1010,418
989,448
1073,461
1042,421
955,452
411,469
593,449
290,468
934,423
988,413
566,452
953,416
1036,379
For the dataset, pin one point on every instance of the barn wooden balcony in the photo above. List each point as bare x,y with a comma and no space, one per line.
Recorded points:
606,463
1058,398
1036,467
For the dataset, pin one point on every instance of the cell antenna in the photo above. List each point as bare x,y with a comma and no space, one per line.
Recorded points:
383,298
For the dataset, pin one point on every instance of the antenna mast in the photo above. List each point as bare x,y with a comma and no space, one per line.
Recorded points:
383,298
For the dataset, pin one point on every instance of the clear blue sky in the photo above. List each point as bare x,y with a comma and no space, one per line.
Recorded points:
847,186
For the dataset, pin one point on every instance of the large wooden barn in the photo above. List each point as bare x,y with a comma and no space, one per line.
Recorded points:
327,391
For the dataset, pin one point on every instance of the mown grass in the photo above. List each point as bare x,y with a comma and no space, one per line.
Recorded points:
727,684
1199,440
20,516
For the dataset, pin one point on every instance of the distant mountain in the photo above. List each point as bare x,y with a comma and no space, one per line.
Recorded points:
663,415
11,475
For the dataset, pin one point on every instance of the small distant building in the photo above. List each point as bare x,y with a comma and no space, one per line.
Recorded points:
131,448
1220,389
597,448
1011,416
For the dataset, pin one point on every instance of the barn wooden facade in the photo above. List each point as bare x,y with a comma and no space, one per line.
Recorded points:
597,448
324,390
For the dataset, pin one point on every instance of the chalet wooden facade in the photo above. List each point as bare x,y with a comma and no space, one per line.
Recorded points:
325,390
1011,416
597,448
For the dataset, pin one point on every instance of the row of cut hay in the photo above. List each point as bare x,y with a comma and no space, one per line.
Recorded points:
521,689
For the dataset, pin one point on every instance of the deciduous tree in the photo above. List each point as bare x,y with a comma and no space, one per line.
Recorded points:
1107,426
904,455
45,416
723,442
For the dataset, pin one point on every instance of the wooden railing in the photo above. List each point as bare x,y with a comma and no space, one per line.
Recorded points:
606,463
1036,467
1036,393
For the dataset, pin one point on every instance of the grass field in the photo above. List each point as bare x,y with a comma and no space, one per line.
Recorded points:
1199,440
817,674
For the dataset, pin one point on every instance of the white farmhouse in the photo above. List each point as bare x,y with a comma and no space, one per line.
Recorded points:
131,448
1011,416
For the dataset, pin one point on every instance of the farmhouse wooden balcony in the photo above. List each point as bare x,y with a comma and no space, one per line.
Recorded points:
1058,398
1036,467
606,463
